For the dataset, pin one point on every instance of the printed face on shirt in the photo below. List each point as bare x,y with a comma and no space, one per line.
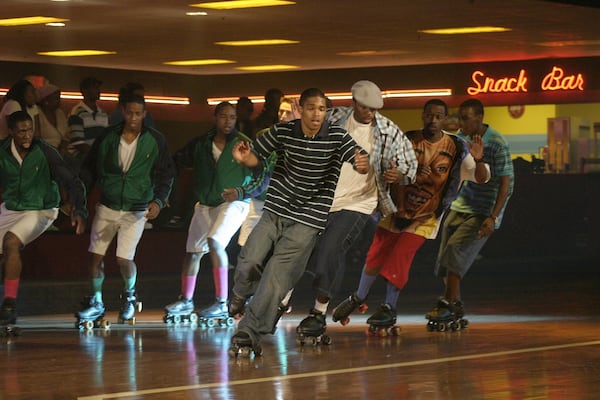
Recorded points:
225,120
134,114
23,135
362,113
312,115
435,163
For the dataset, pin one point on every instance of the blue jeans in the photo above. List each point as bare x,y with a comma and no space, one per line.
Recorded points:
291,244
346,239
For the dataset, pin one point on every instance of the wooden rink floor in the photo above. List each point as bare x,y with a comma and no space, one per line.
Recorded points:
535,338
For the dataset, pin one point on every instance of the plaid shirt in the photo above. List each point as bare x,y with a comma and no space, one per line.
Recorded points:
390,146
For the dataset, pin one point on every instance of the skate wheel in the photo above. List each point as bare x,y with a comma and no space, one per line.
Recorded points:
345,321
382,332
464,323
257,350
371,332
105,324
363,308
230,321
194,318
314,341
88,325
210,322
395,331
176,319
326,340
442,327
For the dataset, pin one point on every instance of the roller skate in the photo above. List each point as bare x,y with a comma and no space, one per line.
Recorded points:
129,306
342,312
91,315
282,309
8,317
383,322
242,346
237,306
311,329
446,316
216,314
182,311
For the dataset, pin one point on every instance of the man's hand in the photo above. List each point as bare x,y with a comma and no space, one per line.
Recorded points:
78,222
241,151
487,228
476,147
229,195
392,175
361,162
153,210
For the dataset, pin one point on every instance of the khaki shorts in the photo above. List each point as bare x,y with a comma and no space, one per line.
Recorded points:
219,223
127,225
26,225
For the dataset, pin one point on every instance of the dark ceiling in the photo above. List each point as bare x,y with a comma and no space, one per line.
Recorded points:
144,34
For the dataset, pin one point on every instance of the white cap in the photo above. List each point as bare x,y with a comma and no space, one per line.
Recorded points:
368,94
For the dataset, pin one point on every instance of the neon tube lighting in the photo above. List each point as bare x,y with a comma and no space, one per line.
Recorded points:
387,94
184,101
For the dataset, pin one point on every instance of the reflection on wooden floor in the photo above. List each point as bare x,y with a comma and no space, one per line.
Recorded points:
498,357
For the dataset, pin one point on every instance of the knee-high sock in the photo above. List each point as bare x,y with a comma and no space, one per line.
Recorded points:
366,281
11,287
221,278
129,283
188,286
97,288
391,295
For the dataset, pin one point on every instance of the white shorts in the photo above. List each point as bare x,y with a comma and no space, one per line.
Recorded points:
26,225
219,223
254,214
127,225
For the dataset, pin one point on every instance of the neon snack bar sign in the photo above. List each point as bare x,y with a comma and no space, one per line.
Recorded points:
557,79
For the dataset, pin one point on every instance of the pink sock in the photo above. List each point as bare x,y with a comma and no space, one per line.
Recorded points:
188,286
11,287
221,278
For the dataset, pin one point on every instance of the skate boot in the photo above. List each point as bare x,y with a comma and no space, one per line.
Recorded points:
215,314
383,322
345,308
129,306
312,328
182,311
91,315
282,309
237,306
242,346
8,317
446,316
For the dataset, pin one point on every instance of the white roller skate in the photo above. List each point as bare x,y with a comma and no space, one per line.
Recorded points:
181,311
216,314
91,315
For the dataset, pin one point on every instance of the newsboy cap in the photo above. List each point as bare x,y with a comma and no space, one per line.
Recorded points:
368,94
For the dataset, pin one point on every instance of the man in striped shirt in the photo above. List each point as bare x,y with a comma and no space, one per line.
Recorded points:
310,154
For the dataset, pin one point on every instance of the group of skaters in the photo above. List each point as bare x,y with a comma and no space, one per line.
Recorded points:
304,190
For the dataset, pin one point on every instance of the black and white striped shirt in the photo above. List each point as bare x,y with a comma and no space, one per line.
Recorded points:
307,170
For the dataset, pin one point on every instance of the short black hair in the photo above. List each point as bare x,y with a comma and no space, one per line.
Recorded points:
475,104
436,102
16,117
221,106
133,98
312,92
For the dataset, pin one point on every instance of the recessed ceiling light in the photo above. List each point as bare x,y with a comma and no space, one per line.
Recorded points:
194,13
191,63
75,53
260,42
465,30
38,20
56,24
274,67
233,4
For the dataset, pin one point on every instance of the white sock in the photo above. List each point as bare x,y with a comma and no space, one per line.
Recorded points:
322,307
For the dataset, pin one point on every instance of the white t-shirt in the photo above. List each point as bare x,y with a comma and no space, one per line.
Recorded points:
127,153
354,191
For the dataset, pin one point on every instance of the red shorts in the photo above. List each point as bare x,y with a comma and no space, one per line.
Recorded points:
394,252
